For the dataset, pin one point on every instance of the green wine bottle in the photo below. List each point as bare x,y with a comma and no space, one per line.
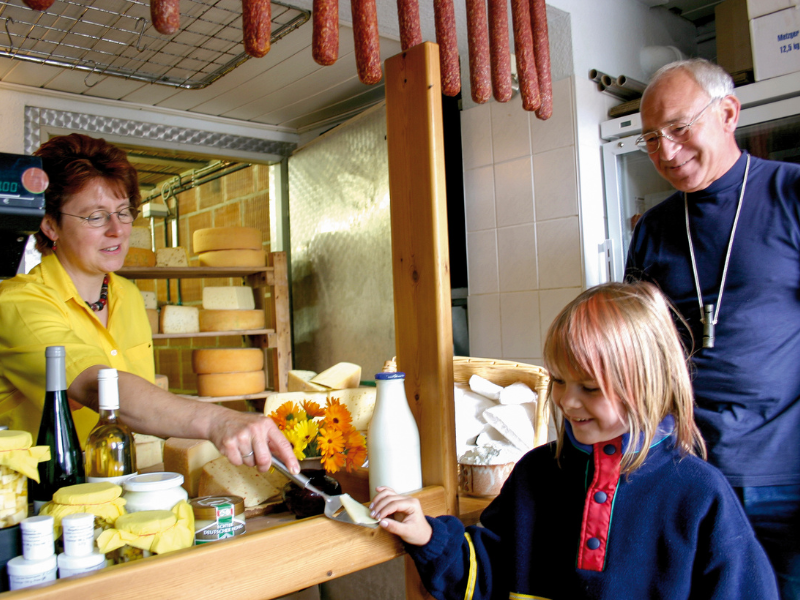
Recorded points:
57,430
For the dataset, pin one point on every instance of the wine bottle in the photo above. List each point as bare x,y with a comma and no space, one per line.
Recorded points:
110,451
393,438
56,430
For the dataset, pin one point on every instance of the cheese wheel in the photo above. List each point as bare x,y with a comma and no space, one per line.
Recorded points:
360,402
226,238
140,257
233,258
231,384
231,320
227,360
152,316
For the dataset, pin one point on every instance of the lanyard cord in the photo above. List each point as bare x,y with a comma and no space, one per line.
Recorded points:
727,256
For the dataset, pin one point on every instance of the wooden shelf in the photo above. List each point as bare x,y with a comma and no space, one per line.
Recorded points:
258,396
189,272
167,336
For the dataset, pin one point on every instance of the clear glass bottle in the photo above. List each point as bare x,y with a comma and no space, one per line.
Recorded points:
57,430
393,438
110,450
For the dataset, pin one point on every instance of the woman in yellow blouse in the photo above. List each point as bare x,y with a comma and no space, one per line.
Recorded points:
74,299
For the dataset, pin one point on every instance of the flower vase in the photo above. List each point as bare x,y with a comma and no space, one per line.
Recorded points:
303,502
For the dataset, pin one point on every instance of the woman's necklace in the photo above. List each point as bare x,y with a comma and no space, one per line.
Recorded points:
709,316
101,303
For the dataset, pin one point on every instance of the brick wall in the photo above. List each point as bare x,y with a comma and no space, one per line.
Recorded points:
238,199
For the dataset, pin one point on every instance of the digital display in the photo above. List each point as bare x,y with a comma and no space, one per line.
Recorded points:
22,181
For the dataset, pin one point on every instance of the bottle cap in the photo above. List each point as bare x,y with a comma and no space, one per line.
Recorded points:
54,352
389,376
108,389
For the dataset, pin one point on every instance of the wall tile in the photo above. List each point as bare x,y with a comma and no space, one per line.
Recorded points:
558,244
479,198
484,326
519,316
517,258
514,192
555,183
482,261
476,131
557,131
510,130
550,304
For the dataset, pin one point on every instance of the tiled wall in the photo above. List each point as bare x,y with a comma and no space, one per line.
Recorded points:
238,199
523,227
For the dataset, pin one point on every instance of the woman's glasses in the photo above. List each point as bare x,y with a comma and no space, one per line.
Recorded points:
100,218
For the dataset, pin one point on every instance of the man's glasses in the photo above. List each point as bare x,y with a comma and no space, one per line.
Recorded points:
100,218
680,133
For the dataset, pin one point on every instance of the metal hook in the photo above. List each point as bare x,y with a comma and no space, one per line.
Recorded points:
89,74
8,33
143,22
167,190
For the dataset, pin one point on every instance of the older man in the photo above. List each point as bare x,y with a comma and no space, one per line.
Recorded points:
726,249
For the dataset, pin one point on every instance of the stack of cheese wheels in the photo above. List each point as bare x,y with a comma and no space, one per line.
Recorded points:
229,371
229,247
230,308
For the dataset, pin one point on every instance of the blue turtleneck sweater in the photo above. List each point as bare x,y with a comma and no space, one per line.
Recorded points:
672,529
748,386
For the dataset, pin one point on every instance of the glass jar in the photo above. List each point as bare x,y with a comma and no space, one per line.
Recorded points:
217,518
153,491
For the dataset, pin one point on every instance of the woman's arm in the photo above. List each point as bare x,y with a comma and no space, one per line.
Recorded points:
146,408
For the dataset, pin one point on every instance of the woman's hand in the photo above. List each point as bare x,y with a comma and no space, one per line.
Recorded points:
409,521
251,438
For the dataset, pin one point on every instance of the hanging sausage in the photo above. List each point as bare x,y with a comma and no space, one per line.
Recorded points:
165,15
408,19
541,48
325,37
478,43
39,4
523,49
367,42
448,46
501,57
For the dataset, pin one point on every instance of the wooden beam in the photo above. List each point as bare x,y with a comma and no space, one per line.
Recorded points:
258,566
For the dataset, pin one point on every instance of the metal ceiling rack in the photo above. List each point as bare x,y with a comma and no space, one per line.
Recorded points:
115,37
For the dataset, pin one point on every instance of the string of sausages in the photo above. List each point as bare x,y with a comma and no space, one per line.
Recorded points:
487,32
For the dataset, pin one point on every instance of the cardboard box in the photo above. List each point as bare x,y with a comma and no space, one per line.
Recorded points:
759,8
734,53
776,43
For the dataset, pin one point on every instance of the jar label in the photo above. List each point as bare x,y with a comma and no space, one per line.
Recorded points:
225,525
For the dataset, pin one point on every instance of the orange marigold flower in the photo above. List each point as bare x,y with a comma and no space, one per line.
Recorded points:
334,462
337,415
312,409
330,442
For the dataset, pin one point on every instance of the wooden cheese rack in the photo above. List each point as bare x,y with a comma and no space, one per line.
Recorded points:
274,562
277,337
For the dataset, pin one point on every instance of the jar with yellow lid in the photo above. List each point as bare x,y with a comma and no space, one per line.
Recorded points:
140,534
18,461
218,518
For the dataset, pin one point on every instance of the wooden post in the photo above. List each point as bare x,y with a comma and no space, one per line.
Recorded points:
420,264
281,321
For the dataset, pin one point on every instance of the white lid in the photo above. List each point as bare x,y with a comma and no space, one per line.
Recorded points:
78,519
153,482
18,566
41,523
65,561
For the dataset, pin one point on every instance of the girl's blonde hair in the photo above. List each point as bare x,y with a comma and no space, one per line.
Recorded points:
622,336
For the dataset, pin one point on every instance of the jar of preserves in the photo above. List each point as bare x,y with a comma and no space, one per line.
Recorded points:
153,491
218,518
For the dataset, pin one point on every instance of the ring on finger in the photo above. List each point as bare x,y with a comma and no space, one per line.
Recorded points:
249,454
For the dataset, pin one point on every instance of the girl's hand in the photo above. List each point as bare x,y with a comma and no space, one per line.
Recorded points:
409,521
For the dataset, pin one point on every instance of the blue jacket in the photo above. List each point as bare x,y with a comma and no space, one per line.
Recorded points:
672,529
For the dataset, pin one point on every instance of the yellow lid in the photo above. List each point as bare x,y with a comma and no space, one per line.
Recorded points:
87,493
157,531
15,440
16,453
146,522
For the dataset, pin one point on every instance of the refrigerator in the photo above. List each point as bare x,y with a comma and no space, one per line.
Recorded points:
769,127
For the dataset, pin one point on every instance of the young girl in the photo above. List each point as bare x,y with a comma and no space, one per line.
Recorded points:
620,506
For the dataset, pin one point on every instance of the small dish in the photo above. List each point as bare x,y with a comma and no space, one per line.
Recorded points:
483,480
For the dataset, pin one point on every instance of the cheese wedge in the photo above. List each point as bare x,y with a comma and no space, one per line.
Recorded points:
226,238
275,400
149,450
140,257
180,319
140,238
231,320
234,297
233,258
149,300
231,384
360,402
357,511
220,478
152,317
300,381
172,257
188,457
227,360
339,376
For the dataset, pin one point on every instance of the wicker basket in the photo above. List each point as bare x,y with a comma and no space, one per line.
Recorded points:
504,373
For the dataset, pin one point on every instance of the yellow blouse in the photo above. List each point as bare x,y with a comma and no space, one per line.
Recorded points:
43,308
